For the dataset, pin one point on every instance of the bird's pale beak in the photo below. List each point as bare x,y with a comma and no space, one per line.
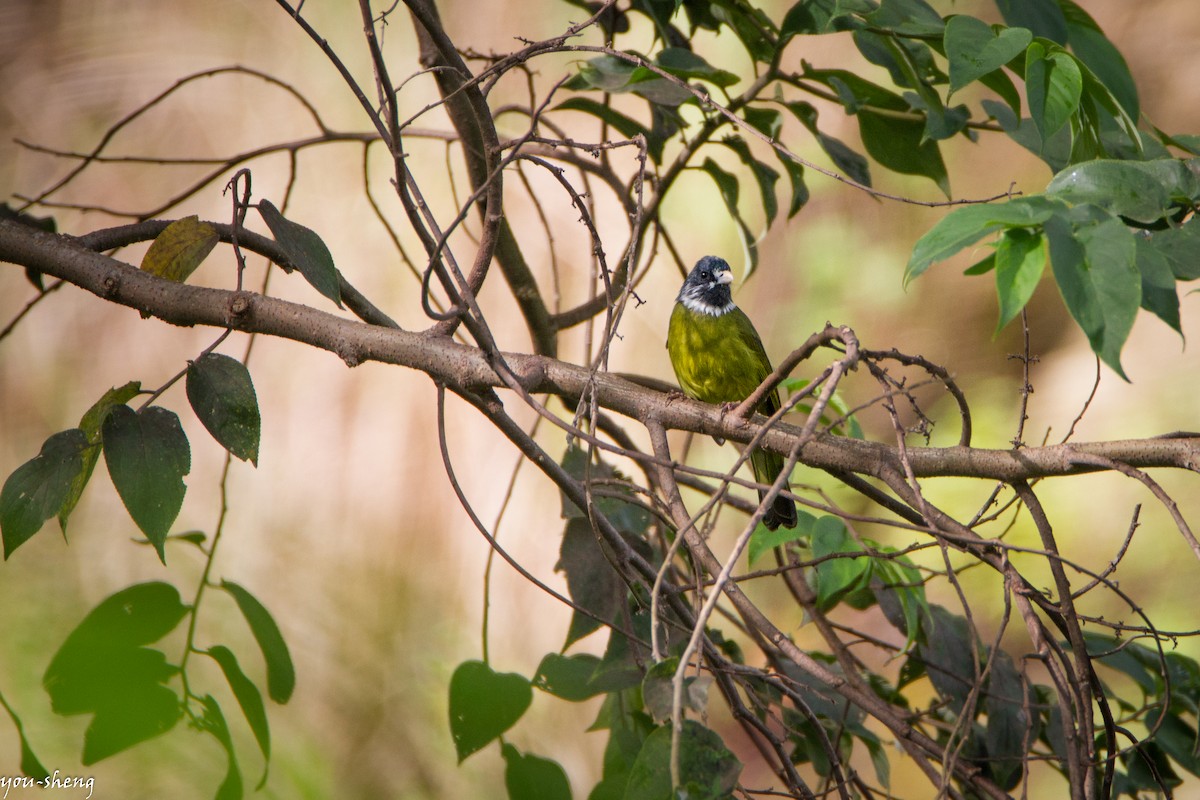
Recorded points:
724,276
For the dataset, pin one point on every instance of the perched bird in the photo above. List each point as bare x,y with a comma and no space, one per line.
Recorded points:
718,358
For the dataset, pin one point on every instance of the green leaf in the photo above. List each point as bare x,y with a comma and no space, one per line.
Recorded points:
626,126
222,395
567,677
821,16
658,690
1043,17
907,18
213,721
90,424
764,175
1176,737
530,777
484,704
180,248
853,164
1020,262
1008,723
1095,266
966,225
147,455
39,488
591,580
836,576
1053,87
104,669
1142,191
727,185
707,770
1181,248
898,590
901,146
1094,49
31,767
974,49
281,675
1158,283
248,697
947,653
764,541
305,250
683,63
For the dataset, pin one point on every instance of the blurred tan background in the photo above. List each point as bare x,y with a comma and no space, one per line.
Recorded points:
348,530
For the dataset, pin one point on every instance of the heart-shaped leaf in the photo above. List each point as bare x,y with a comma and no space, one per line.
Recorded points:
222,395
484,704
147,454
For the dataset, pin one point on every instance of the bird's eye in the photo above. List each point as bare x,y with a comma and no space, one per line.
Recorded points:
706,275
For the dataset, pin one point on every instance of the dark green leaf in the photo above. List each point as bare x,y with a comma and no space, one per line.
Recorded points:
1053,87
685,64
764,541
1095,266
966,225
848,161
147,455
1043,17
214,722
822,16
305,250
766,121
1100,55
592,582
1181,248
104,669
222,395
93,418
281,675
567,677
248,697
727,185
909,62
31,767
484,704
628,127
530,777
180,248
764,175
948,652
1158,283
707,770
901,146
1020,262
1123,656
821,698
1176,737
907,17
1008,723
974,49
39,488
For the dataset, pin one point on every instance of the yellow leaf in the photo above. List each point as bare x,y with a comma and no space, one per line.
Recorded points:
180,248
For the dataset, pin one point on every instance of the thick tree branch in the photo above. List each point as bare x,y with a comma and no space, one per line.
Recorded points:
462,365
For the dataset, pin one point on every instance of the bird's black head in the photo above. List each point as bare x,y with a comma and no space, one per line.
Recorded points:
706,290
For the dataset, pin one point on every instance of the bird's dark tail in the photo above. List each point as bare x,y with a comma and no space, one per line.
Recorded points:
782,511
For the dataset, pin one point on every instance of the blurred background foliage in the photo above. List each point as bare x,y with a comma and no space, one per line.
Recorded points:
349,531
